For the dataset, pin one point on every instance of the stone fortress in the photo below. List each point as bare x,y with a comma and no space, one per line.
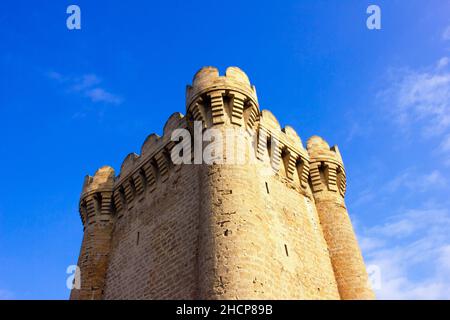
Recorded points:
160,230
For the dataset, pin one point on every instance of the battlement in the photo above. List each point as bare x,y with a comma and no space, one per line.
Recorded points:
284,146
140,172
153,147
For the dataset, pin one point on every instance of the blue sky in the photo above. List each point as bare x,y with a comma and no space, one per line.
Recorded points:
73,101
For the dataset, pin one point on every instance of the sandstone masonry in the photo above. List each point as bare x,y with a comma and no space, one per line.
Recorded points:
196,231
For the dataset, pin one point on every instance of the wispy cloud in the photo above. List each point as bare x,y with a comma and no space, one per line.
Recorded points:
101,95
6,294
85,82
414,242
446,34
363,197
419,101
445,144
420,98
356,129
416,182
88,85
55,76
442,62
405,184
412,249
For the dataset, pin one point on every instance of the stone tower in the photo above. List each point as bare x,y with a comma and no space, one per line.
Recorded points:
265,219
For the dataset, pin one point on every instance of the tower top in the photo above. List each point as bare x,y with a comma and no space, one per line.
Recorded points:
319,150
103,179
208,79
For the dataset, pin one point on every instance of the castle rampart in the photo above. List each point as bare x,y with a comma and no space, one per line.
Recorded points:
272,227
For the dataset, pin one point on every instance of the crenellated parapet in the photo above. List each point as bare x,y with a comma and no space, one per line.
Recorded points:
107,194
283,145
140,173
214,99
96,196
228,99
232,100
326,168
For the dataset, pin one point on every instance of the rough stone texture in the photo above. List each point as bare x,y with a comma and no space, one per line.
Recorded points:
273,228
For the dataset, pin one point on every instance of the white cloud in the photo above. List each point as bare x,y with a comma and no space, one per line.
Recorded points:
369,244
446,34
425,97
406,185
419,101
6,294
420,98
364,197
444,259
101,95
445,144
416,182
86,81
55,75
88,85
412,251
433,179
443,62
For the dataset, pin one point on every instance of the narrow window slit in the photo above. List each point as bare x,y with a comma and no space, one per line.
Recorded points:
286,249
